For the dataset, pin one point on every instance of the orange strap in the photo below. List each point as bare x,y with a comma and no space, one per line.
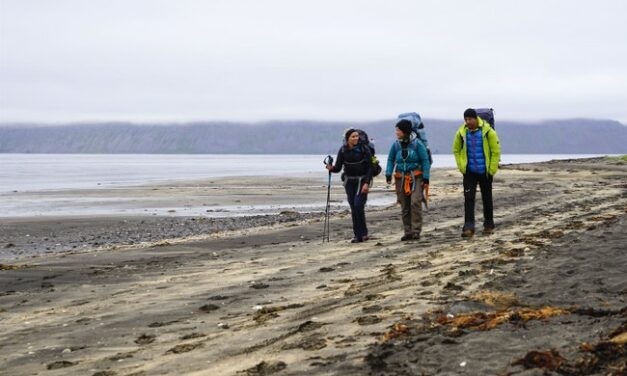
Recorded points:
408,182
399,175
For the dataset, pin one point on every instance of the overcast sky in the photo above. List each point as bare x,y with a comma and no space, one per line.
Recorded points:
326,60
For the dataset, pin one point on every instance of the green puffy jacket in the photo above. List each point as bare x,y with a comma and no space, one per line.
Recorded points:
491,147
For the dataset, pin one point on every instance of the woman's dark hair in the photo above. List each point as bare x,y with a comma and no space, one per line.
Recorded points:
349,133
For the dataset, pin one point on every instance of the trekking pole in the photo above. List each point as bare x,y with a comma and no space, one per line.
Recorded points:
327,225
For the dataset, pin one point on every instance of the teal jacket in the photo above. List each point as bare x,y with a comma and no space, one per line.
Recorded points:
417,159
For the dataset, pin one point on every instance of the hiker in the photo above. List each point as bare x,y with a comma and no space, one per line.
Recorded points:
477,153
409,161
356,160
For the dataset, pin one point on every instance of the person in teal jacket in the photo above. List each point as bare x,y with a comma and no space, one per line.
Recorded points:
477,153
408,162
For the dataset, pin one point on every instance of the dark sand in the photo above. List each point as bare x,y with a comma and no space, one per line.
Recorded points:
263,301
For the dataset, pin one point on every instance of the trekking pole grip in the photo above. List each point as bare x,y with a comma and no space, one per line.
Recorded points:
328,160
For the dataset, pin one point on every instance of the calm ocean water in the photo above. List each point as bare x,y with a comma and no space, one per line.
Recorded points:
39,172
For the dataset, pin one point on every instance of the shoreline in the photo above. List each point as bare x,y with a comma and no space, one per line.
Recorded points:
278,301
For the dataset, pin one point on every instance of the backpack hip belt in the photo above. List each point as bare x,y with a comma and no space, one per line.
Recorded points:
346,178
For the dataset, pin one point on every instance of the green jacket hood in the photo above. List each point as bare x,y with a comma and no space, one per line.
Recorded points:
481,124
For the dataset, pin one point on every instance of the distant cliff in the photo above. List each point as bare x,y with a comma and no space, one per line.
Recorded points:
298,137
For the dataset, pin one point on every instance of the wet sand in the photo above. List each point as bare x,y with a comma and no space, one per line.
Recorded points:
274,300
109,218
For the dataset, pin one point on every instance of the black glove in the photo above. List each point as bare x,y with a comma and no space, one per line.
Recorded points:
425,181
388,179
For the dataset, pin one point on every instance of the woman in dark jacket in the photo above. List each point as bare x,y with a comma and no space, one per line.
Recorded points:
356,160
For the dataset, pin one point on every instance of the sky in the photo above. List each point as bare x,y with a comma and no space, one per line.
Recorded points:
336,60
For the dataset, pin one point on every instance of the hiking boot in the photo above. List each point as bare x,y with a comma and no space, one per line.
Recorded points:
416,237
355,240
468,233
407,237
488,231
365,238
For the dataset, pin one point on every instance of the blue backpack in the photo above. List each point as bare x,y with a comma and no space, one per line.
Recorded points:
417,129
487,114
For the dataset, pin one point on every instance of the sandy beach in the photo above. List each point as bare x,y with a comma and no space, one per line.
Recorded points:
178,294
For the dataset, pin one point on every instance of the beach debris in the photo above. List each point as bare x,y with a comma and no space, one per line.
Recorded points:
515,252
9,245
372,309
325,269
259,285
311,343
468,272
352,290
105,373
145,339
368,320
209,308
390,272
587,311
158,324
463,364
264,368
218,297
14,266
371,297
308,326
398,330
548,360
452,286
192,336
223,325
61,364
121,356
487,321
264,314
496,299
183,348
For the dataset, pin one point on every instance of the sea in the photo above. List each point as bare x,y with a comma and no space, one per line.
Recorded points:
47,172
44,185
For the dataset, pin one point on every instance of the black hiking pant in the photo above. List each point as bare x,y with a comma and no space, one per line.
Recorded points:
470,191
357,202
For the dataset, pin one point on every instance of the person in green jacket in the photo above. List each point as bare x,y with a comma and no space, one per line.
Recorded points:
477,153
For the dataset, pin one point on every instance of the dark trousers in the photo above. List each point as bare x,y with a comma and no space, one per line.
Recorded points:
357,202
470,191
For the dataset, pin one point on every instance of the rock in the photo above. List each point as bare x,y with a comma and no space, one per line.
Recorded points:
264,368
368,320
259,286
61,364
145,339
105,373
209,308
187,347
